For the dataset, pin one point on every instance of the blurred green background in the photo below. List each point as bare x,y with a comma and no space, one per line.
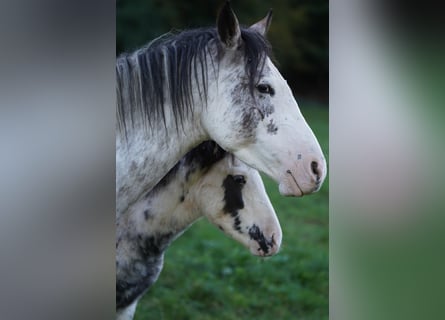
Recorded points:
207,275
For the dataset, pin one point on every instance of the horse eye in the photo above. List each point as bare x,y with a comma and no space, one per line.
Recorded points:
266,89
239,179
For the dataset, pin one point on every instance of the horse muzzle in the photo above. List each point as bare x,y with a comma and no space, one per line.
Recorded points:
261,244
304,177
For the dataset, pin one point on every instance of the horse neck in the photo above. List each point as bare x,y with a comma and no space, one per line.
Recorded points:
170,208
146,232
145,157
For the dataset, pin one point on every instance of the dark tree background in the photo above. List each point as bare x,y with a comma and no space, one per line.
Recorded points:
299,32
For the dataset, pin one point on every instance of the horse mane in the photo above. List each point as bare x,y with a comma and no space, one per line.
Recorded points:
170,67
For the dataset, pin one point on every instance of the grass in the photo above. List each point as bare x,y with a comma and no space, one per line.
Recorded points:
209,276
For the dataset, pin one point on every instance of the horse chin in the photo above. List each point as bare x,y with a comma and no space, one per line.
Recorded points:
257,251
289,189
291,185
297,183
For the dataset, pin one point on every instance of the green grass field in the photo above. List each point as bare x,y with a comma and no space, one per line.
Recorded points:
209,276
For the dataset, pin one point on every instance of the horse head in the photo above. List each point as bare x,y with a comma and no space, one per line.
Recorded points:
252,113
232,196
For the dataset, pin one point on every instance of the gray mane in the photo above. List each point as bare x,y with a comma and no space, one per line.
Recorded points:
170,67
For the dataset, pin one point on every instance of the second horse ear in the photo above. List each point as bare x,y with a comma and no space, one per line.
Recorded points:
228,27
263,25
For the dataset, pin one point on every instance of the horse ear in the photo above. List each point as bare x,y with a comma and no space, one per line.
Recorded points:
228,27
263,25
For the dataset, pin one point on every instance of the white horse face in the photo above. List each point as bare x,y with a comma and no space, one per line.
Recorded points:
264,128
232,196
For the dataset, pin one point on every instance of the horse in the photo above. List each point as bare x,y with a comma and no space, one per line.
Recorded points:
210,84
208,182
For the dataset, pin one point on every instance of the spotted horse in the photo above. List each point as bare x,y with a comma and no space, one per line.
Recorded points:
209,84
208,182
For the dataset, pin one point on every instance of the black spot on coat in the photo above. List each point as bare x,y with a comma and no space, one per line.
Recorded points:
233,200
271,127
135,285
256,234
233,197
136,277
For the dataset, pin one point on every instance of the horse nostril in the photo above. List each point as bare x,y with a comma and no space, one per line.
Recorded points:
314,168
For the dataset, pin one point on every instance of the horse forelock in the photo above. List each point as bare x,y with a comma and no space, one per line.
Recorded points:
171,68
256,49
